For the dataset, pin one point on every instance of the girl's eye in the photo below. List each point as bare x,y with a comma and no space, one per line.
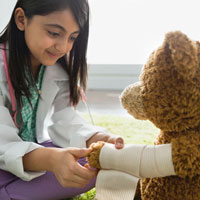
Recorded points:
53,34
72,38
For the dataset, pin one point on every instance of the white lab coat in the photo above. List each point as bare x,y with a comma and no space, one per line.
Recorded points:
56,120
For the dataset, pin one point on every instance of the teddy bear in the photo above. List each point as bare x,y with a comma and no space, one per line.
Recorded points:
168,95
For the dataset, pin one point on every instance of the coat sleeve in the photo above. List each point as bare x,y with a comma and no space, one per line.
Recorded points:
186,155
12,148
69,129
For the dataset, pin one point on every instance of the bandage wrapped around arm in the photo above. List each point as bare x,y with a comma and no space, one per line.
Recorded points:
142,161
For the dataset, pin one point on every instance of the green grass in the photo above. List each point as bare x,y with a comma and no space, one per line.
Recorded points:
87,196
133,131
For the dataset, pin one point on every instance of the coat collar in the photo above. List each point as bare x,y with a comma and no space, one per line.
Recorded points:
49,90
55,73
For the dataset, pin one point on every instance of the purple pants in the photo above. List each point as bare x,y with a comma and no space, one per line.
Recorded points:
45,187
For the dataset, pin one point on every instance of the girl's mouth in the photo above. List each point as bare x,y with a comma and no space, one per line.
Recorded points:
52,55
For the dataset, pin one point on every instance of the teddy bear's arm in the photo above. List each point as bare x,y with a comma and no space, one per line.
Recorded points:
93,157
186,155
139,160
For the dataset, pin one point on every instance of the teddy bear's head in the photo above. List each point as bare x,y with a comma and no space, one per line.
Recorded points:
168,93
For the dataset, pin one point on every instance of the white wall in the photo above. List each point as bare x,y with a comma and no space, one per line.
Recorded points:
126,31
112,76
6,8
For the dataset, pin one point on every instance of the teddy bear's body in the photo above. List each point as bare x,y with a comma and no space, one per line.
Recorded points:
171,100
184,186
169,96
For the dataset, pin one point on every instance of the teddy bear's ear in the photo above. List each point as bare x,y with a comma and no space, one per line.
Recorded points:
131,100
183,53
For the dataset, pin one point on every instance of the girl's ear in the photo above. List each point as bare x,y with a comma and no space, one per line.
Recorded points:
20,19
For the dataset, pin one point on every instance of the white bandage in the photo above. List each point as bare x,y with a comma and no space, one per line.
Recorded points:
115,185
126,159
156,161
143,161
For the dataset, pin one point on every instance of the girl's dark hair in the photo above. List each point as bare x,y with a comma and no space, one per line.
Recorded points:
19,56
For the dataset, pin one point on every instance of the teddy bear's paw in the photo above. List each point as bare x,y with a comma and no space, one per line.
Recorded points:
93,157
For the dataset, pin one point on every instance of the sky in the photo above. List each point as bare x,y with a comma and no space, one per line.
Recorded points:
127,31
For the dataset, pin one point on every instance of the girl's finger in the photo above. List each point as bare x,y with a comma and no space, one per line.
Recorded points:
119,143
73,184
85,173
80,152
80,180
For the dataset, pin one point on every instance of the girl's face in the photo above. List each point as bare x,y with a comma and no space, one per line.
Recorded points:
48,37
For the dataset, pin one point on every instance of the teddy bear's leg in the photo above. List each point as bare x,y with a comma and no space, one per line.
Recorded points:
170,188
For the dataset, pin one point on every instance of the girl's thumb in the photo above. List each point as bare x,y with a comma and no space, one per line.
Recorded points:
83,152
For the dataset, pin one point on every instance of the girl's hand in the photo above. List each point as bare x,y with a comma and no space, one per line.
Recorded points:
110,138
68,171
118,141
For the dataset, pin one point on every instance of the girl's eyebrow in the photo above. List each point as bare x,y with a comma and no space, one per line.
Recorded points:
61,28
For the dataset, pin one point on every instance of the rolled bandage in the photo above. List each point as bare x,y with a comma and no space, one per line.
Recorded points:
115,185
142,161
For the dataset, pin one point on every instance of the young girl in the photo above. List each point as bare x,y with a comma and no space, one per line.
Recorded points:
42,62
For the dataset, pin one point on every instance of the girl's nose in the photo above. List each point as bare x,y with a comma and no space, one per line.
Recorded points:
64,46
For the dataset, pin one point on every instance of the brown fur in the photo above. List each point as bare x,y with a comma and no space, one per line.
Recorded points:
170,93
93,157
169,96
